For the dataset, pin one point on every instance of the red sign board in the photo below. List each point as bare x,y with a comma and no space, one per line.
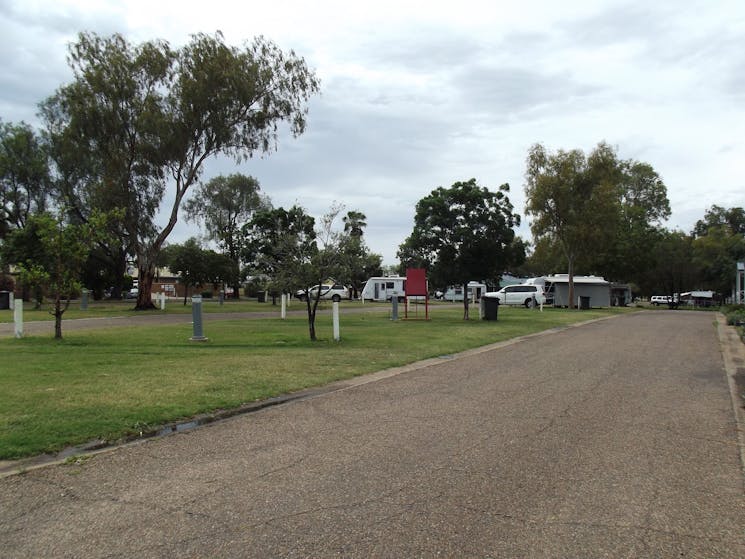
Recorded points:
416,282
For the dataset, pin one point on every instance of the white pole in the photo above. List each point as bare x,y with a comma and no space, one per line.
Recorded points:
283,312
162,300
18,318
335,314
11,300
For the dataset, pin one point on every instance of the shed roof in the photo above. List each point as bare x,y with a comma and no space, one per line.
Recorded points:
564,278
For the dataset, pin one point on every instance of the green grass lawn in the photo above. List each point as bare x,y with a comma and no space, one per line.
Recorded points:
99,309
116,382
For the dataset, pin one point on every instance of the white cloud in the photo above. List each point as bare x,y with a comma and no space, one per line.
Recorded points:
420,94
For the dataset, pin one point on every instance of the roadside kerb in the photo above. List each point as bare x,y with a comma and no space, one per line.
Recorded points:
733,355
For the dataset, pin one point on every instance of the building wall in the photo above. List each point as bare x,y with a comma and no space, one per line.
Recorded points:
599,294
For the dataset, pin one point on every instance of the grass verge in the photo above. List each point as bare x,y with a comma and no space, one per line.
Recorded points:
117,382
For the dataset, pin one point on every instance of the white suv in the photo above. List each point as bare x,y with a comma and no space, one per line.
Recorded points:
335,292
658,300
522,294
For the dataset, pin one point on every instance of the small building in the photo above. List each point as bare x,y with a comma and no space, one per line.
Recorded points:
698,298
596,288
620,295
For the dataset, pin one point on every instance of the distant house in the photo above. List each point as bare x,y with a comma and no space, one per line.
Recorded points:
698,298
620,295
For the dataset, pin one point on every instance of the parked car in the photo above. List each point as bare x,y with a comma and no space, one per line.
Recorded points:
335,292
669,300
131,293
522,294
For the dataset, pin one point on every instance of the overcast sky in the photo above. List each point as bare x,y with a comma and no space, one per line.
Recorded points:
417,95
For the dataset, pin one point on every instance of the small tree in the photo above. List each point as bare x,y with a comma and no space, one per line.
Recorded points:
189,261
286,247
62,250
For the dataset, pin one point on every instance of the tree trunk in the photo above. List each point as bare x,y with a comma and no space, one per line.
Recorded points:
146,275
58,312
311,305
57,322
466,303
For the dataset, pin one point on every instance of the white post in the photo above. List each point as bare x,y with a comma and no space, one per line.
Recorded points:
18,318
11,300
335,315
162,300
283,312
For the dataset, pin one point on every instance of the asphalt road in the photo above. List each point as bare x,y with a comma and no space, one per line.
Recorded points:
611,439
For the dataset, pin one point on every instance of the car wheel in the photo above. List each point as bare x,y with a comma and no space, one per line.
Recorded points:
335,298
528,303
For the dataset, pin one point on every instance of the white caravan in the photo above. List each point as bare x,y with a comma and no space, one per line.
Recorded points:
384,288
455,292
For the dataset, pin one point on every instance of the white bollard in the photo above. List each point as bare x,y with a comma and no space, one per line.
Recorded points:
12,298
18,318
162,301
335,315
283,311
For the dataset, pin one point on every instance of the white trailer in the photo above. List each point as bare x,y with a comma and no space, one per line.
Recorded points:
384,288
455,292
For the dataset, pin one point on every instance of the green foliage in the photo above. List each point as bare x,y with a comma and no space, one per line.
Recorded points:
285,247
603,213
462,233
735,315
718,244
144,118
224,205
50,254
24,176
197,266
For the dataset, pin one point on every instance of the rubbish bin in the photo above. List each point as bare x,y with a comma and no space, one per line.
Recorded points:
261,298
490,307
4,300
584,302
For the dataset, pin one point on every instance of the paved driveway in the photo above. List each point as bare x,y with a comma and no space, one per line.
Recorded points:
612,439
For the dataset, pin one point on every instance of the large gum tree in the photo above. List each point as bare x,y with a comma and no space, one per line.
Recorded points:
144,118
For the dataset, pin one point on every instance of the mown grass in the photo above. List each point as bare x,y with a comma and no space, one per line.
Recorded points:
102,309
115,382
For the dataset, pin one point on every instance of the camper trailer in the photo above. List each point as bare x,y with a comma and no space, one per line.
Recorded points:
384,288
455,292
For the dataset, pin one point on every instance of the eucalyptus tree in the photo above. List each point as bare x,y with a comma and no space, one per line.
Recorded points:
464,232
574,200
718,245
149,116
25,188
224,204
